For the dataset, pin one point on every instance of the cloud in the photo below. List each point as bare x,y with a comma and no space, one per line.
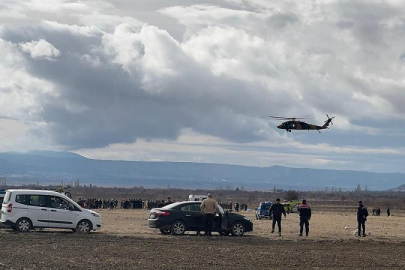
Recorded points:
115,79
40,49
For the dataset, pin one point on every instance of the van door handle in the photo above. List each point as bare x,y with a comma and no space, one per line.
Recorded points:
44,210
53,211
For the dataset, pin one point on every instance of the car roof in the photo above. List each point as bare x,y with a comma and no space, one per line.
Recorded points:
23,191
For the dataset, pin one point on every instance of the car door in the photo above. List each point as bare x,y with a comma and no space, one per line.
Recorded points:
61,214
193,216
37,210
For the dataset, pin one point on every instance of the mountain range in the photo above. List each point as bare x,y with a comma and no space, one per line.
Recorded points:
49,167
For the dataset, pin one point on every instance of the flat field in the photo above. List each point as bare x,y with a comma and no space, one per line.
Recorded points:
126,242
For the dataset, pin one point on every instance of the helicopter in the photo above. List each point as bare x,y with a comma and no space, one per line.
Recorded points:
300,125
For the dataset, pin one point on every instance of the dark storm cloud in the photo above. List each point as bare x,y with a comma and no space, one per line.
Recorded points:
97,105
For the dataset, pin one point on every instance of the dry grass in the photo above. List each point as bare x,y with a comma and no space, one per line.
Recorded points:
324,224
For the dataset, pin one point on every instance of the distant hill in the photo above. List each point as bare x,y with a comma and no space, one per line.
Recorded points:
48,167
401,188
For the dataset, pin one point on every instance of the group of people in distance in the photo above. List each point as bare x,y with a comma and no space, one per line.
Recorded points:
209,207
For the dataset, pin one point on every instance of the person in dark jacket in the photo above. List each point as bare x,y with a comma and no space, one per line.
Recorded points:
362,214
305,215
276,210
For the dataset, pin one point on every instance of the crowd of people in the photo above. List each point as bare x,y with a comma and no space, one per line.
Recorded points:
95,203
234,207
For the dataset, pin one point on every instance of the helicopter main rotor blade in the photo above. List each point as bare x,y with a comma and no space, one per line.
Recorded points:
287,118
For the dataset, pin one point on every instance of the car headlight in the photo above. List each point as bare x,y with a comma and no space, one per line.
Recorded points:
247,218
96,215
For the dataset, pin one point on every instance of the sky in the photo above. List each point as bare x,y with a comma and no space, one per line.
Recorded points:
196,81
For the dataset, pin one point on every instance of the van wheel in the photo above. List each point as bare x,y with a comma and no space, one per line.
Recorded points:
178,227
237,229
83,226
23,225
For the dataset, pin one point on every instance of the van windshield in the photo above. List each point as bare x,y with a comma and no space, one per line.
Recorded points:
7,197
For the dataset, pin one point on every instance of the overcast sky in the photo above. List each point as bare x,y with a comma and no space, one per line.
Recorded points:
196,81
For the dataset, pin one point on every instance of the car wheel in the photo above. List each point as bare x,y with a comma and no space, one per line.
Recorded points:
163,231
23,225
237,229
83,226
178,227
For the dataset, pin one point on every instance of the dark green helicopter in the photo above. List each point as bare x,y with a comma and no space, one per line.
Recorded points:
293,124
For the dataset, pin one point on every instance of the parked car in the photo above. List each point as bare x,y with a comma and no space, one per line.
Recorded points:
177,218
24,210
263,210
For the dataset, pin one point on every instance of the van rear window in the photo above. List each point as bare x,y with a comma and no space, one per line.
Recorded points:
7,197
21,199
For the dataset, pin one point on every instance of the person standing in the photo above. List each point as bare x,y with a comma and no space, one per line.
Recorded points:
276,210
305,215
388,211
209,207
362,214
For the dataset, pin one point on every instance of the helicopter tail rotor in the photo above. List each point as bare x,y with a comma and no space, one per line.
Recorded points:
329,121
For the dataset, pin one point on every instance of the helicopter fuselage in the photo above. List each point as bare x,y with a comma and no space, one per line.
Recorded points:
299,125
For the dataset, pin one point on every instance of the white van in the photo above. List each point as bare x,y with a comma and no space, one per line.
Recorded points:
197,198
24,209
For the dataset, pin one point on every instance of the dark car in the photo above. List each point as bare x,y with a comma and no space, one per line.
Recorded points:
180,217
263,211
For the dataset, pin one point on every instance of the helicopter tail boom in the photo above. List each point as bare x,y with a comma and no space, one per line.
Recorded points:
327,122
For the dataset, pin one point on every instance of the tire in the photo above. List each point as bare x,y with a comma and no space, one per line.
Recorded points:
237,229
165,232
178,227
84,226
23,225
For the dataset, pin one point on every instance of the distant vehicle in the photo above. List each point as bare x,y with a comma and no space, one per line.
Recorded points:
177,218
293,124
63,191
291,206
24,210
263,210
197,198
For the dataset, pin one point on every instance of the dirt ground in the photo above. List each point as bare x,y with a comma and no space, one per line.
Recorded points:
126,242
